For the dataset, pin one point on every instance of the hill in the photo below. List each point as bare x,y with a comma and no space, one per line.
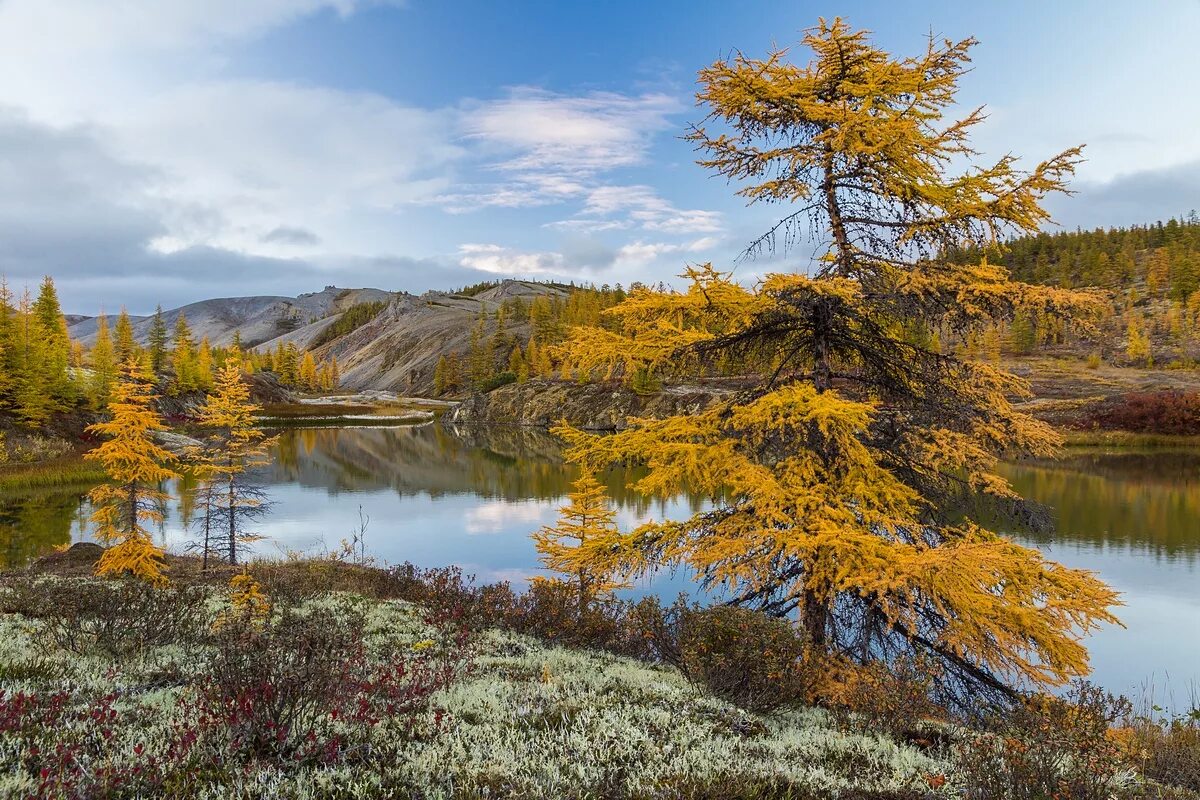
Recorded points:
258,318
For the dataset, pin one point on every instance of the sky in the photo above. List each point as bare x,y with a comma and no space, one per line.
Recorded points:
167,151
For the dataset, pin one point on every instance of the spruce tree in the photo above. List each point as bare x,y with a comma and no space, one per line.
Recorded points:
158,341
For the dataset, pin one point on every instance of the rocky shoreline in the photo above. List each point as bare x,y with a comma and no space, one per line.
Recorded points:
592,406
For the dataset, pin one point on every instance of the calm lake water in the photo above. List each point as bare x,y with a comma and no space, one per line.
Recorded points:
436,496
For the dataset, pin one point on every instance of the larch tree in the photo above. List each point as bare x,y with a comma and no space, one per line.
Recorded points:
235,444
307,373
204,365
845,482
183,357
126,346
574,546
103,363
50,326
136,468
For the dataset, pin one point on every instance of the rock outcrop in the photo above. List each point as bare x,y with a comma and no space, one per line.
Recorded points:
592,406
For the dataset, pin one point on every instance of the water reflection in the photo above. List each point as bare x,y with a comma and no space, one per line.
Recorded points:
1147,501
438,496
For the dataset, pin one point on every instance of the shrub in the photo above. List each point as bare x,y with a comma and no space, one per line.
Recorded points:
1171,412
496,381
271,681
115,617
1167,751
1049,747
895,697
301,684
746,657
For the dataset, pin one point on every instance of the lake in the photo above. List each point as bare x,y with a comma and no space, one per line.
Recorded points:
434,495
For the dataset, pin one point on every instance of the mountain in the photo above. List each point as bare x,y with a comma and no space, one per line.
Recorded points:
395,349
259,319
399,348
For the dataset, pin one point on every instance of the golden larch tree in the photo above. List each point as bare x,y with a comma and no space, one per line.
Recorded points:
234,445
136,468
845,480
576,545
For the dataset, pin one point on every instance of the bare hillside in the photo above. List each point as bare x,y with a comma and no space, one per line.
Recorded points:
259,318
399,349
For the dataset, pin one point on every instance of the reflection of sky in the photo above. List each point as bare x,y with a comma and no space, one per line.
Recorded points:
1160,642
489,537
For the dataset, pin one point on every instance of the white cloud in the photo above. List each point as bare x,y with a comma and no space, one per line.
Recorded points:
546,132
641,253
283,155
498,516
506,261
638,206
552,149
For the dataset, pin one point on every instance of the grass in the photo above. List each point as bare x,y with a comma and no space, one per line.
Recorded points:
59,473
1076,438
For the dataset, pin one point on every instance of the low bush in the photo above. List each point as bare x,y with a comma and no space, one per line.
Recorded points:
1050,747
1166,751
1172,412
114,617
752,660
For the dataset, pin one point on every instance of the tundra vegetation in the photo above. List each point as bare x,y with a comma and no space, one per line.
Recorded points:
841,481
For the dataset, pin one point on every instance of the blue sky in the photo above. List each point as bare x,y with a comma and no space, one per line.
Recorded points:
172,150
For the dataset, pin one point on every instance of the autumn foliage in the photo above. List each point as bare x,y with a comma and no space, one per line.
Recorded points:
840,481
136,467
586,527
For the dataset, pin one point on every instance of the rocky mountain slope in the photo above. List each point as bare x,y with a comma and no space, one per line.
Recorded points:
397,350
259,319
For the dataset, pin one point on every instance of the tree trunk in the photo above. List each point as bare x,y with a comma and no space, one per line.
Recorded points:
232,523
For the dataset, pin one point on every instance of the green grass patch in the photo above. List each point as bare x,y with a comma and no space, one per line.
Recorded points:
1127,439
50,474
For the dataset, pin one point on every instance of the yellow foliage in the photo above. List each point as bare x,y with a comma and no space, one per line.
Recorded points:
236,444
136,466
577,545
841,480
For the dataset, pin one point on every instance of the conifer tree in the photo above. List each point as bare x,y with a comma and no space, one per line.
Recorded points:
335,373
843,477
576,545
103,365
204,365
54,347
32,367
235,444
517,364
183,357
136,467
8,344
126,347
441,377
1137,347
307,377
157,337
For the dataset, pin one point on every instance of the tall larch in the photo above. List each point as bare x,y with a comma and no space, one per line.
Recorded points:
845,481
136,468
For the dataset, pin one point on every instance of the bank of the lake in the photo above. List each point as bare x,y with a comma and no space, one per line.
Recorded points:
439,494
